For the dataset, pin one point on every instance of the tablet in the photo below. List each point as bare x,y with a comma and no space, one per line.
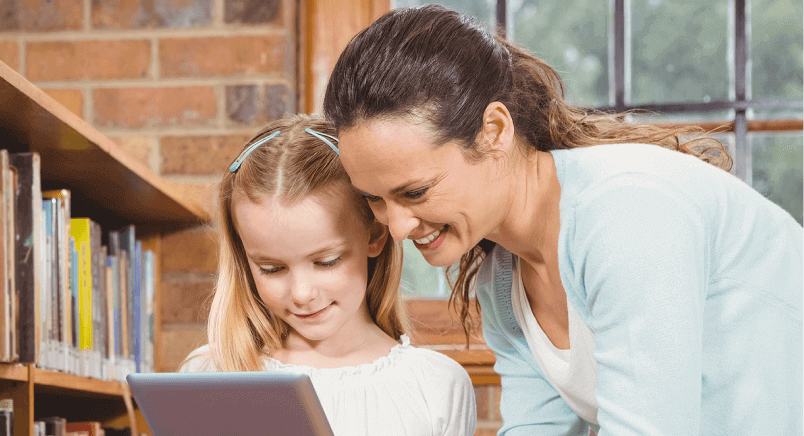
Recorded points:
229,403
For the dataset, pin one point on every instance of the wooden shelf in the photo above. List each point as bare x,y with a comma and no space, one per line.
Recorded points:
59,382
104,180
111,188
13,372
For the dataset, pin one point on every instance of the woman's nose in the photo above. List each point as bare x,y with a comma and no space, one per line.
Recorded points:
400,221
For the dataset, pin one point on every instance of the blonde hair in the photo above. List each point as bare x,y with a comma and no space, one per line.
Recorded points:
293,165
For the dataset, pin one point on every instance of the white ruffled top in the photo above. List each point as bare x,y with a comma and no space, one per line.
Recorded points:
408,392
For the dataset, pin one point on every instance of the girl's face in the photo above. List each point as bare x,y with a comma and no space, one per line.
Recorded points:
309,261
429,194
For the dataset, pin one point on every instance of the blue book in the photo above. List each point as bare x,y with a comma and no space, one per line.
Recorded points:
136,292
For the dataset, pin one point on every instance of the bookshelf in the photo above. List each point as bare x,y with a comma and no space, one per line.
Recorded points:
111,188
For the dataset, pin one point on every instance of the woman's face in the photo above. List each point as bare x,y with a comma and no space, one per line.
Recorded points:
429,194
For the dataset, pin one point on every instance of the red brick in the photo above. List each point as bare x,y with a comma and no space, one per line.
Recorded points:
39,15
252,11
136,108
221,56
278,102
75,60
193,250
9,54
241,103
186,301
138,147
140,14
72,99
199,155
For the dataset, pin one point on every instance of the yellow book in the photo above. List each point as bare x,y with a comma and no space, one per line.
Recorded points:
79,230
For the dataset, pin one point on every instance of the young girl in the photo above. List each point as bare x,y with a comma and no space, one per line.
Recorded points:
308,282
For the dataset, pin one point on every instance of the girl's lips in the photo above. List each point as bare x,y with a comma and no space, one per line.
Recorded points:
314,314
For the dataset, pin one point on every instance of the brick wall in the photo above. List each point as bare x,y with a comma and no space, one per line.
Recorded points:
180,85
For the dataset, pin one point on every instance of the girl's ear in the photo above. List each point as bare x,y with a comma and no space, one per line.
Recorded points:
378,235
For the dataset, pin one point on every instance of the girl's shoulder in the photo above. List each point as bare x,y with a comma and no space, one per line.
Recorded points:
403,361
199,360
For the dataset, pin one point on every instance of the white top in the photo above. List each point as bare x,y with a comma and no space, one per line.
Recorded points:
409,392
573,372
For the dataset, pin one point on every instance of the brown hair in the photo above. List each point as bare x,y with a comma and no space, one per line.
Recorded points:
434,64
292,165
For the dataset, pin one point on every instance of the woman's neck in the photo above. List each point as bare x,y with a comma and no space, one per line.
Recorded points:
531,224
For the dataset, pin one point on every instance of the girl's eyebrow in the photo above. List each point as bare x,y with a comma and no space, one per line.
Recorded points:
338,245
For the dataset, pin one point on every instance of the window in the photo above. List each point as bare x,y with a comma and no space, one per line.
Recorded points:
732,63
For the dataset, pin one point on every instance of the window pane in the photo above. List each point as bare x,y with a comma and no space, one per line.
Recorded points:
776,49
419,277
575,43
483,10
777,169
679,51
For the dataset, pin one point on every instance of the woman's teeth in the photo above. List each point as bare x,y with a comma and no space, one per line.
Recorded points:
430,238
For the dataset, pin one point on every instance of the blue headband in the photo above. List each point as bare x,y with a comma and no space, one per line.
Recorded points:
236,164
320,136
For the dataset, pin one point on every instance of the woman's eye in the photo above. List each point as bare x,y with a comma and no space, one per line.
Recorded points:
370,198
416,194
330,263
269,270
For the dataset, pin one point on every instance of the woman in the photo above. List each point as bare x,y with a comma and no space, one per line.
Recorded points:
625,286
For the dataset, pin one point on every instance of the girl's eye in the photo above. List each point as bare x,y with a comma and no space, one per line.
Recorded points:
269,270
416,194
330,263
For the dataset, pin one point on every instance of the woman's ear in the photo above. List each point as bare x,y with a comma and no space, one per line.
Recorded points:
378,235
497,132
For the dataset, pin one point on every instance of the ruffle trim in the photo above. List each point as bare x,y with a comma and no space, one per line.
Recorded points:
350,373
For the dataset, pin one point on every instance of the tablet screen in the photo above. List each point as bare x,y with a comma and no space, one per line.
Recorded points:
229,403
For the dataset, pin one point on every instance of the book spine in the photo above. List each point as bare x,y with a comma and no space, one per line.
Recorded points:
28,241
80,228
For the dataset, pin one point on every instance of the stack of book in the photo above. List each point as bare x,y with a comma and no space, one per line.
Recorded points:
75,298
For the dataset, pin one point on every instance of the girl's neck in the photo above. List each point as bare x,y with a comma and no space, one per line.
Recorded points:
361,341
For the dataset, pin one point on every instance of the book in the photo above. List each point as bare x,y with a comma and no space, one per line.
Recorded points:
63,303
39,428
6,417
72,350
91,428
46,291
128,244
28,244
10,248
80,231
5,291
55,425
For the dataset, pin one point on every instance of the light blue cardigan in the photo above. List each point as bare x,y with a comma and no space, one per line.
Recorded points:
692,284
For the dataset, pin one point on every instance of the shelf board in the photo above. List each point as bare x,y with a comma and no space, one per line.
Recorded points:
13,372
54,381
104,180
